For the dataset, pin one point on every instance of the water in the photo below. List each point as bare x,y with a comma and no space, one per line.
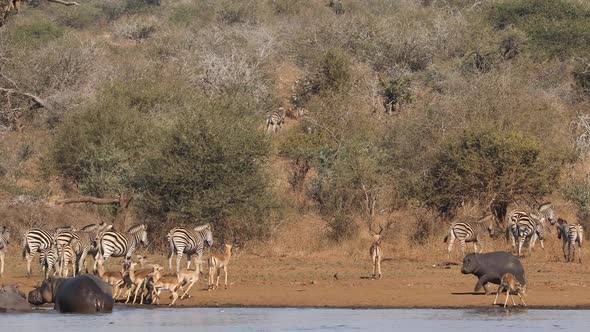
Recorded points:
290,319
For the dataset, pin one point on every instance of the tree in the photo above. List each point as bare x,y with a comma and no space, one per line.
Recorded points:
490,166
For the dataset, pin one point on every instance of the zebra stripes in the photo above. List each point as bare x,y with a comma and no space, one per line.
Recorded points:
116,244
4,239
275,120
36,240
49,260
524,225
189,242
470,232
86,244
570,234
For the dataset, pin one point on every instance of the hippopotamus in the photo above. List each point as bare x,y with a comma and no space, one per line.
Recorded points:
490,267
12,299
82,294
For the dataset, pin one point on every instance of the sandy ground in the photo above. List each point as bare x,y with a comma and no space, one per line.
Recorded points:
311,282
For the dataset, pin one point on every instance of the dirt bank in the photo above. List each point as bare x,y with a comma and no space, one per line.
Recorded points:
311,282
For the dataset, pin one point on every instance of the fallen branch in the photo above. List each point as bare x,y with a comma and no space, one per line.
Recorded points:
38,101
66,3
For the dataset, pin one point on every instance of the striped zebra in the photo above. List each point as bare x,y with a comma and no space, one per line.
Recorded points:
524,225
570,234
473,231
116,244
49,260
36,240
275,120
67,257
4,240
189,242
86,243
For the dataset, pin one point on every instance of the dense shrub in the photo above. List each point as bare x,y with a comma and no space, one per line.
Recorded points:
489,166
555,27
207,165
36,33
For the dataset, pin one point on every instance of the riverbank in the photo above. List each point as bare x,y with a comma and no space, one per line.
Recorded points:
321,282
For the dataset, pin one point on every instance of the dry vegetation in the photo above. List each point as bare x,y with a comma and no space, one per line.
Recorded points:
420,112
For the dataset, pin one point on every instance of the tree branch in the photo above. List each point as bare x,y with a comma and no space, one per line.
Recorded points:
66,3
38,101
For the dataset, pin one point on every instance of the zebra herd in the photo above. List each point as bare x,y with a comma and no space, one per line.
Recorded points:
522,226
62,247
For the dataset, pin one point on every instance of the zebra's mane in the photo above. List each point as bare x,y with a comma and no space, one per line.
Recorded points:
545,206
136,228
202,227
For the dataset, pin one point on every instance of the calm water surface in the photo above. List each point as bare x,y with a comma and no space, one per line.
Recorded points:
285,319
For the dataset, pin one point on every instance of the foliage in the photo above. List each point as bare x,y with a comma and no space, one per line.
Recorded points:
578,192
490,166
396,92
207,165
36,33
556,27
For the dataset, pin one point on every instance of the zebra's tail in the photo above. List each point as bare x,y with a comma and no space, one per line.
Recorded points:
446,238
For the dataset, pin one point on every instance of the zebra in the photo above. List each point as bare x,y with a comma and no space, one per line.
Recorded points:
36,240
189,242
49,260
116,244
4,240
470,232
545,212
570,234
531,225
67,257
86,243
276,119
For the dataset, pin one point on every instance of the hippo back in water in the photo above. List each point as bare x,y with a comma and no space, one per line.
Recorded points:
82,294
490,267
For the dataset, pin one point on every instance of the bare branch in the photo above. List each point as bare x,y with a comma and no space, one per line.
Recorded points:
38,101
65,3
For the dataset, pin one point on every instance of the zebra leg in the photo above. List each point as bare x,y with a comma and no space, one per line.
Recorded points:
579,251
520,243
82,261
451,242
1,264
179,253
29,258
569,251
563,249
475,247
189,257
170,254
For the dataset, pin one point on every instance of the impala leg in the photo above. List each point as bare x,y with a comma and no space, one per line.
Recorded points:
497,293
521,299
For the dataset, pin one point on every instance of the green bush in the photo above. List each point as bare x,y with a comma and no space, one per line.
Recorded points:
208,166
555,27
79,17
489,165
334,70
36,34
578,192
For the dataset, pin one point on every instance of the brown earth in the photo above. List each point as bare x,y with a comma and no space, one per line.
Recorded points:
310,282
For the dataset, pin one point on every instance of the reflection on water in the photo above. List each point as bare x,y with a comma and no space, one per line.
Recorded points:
283,319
